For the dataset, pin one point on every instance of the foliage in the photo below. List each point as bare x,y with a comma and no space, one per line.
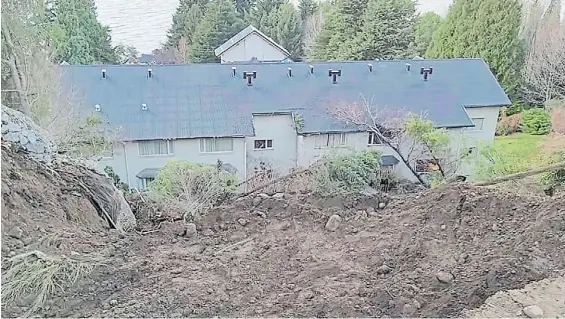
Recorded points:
348,173
289,31
219,23
127,54
116,180
424,29
80,38
185,20
483,28
307,8
191,187
508,123
298,122
535,121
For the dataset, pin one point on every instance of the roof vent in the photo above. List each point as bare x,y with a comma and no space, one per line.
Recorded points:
289,72
370,67
103,73
311,69
425,72
334,74
408,66
97,107
144,107
249,76
149,73
233,68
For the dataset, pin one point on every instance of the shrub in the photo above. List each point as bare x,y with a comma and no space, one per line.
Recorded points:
536,122
348,173
116,179
508,124
190,187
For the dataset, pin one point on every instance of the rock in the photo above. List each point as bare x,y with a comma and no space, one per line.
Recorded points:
333,222
256,201
384,269
263,196
417,304
242,221
208,232
278,196
370,210
261,214
4,129
443,227
113,302
444,277
27,241
408,310
16,232
533,311
13,127
190,230
382,205
494,227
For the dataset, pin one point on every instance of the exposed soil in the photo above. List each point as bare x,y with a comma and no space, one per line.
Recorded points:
431,255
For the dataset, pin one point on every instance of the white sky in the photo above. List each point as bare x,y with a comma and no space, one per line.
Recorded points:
144,23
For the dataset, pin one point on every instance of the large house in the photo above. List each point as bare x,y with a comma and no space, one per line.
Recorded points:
274,117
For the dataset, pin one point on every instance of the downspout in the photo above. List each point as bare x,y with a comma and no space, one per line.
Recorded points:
126,162
245,163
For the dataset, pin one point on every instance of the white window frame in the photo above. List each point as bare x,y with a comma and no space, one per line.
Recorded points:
145,182
266,143
202,145
372,138
328,138
170,148
475,128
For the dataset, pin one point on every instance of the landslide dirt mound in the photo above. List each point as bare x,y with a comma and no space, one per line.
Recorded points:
433,254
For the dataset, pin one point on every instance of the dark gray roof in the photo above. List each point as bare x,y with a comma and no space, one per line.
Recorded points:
389,160
242,35
148,173
204,100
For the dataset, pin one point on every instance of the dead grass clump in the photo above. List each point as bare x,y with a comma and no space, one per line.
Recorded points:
36,276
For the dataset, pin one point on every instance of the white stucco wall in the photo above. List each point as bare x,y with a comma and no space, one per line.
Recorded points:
280,129
127,162
252,46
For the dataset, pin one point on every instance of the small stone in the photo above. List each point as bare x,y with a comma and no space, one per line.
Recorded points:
4,129
23,139
278,196
242,221
443,227
261,214
190,230
333,222
27,241
382,205
12,253
113,302
370,210
35,148
32,137
176,271
16,232
533,311
256,201
444,277
208,232
13,127
384,269
494,227
263,196
417,304
408,310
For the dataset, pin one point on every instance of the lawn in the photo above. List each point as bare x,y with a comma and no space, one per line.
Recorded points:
522,147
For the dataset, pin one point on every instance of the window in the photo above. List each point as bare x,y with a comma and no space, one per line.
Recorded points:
426,165
263,144
374,139
145,182
216,144
156,147
330,140
478,124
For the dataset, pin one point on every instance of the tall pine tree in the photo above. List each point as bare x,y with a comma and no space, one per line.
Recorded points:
185,19
82,39
289,30
426,26
219,23
488,29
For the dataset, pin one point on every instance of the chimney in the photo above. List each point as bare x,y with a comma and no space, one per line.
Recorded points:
311,69
408,67
97,107
426,72
334,74
103,73
233,68
149,73
249,76
289,72
370,67
144,107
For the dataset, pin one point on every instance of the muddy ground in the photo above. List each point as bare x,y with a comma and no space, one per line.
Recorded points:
432,254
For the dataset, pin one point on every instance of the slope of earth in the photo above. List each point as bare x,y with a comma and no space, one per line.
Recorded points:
545,297
433,254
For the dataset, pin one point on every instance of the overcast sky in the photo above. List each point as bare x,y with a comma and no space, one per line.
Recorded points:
144,23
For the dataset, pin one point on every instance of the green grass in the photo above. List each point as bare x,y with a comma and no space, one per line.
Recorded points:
523,147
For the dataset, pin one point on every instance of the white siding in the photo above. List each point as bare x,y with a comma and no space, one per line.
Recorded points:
250,47
185,149
280,129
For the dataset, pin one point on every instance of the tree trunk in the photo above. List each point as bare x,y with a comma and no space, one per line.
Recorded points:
407,163
17,75
521,175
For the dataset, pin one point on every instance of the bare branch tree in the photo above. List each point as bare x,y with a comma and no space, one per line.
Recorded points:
312,27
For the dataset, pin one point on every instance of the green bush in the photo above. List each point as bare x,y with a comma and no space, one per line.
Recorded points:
536,122
191,187
116,179
348,173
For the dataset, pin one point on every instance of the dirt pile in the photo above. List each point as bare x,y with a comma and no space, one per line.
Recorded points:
431,254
